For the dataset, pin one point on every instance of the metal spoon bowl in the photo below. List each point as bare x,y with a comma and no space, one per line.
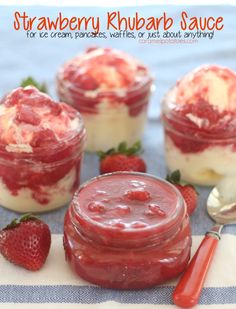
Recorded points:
221,205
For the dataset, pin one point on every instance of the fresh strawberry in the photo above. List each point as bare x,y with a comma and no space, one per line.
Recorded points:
26,242
188,192
122,159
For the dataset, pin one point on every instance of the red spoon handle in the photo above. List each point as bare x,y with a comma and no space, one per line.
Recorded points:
188,289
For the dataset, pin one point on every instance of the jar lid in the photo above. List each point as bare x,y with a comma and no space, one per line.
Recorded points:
127,209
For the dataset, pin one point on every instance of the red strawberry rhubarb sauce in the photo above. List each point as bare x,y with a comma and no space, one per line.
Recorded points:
111,90
41,145
127,231
199,117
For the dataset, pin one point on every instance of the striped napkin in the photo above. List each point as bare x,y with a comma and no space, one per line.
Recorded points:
56,286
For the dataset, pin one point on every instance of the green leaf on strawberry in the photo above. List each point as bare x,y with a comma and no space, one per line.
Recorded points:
15,222
30,81
122,149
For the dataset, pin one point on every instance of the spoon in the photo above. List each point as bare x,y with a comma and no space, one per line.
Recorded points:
221,207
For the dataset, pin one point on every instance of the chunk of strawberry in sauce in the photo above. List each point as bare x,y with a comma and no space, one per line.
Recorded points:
86,82
138,195
202,121
26,114
72,113
43,138
17,96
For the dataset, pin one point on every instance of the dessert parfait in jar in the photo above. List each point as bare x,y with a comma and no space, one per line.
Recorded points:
132,236
199,115
41,148
111,90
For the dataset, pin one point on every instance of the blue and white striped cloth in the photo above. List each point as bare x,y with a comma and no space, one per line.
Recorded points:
55,285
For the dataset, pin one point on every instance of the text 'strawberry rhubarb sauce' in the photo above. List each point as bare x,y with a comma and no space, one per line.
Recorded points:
41,147
199,116
127,236
111,90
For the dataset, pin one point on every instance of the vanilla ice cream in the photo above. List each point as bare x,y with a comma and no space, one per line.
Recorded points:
200,128
111,90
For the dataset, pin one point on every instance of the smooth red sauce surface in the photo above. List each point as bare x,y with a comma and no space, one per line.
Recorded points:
128,201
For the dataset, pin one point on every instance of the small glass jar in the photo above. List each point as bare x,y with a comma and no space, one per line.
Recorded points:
132,236
199,125
111,90
41,149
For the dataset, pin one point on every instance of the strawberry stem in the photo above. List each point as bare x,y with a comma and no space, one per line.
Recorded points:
15,222
122,149
174,177
27,216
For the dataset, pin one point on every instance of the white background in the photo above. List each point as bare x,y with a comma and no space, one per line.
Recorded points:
114,3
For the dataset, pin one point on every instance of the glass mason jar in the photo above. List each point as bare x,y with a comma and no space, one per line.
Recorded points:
199,123
38,172
204,155
111,90
133,236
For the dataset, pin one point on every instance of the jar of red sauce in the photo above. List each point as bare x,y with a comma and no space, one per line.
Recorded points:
127,230
41,148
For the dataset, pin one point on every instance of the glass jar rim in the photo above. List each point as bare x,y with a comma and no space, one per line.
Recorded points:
205,136
155,231
108,107
118,92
